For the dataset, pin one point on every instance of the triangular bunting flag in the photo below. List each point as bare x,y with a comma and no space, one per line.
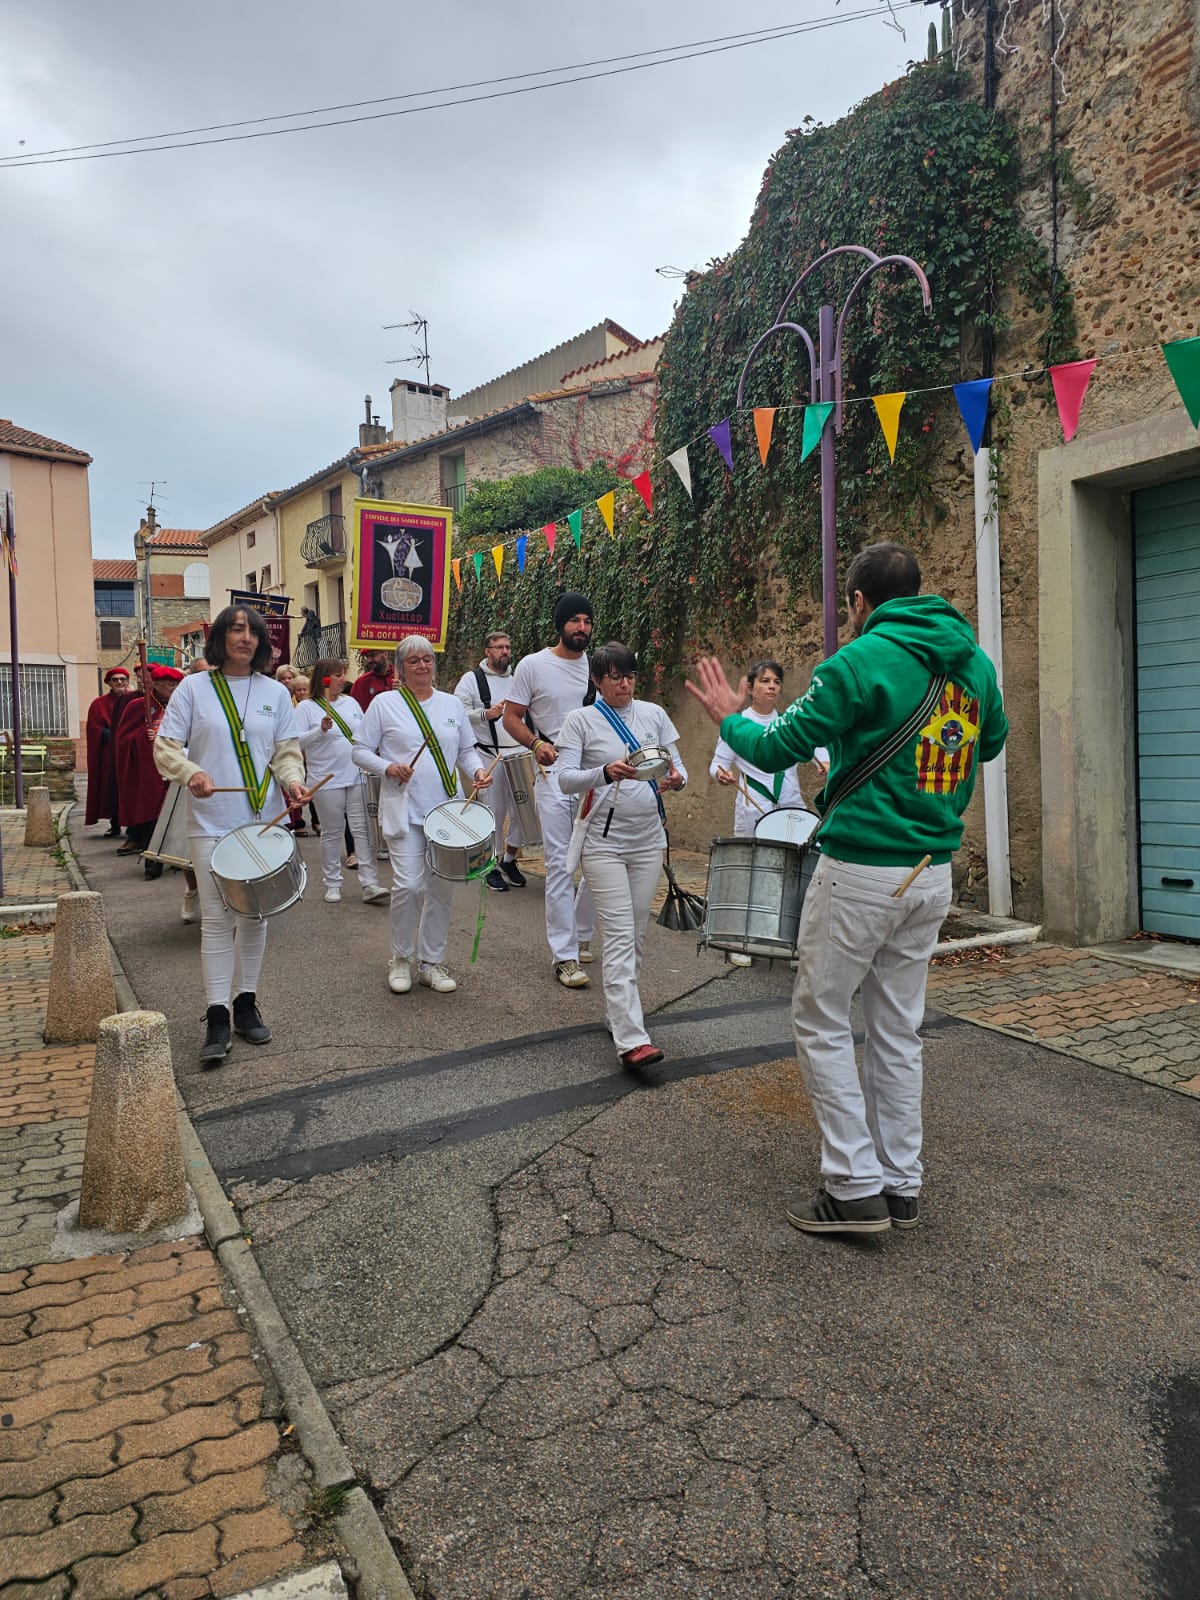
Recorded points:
498,559
764,422
1183,358
456,569
642,484
679,460
1070,382
815,418
972,398
477,558
605,505
551,533
521,544
720,437
575,523
887,409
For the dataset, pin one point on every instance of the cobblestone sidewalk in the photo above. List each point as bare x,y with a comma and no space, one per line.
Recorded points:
137,1457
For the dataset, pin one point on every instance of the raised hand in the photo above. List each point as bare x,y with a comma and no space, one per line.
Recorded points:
714,690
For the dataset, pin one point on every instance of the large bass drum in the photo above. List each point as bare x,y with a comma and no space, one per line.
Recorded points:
372,791
755,895
258,871
169,841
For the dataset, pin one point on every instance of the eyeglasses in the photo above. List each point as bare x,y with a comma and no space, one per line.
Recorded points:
621,677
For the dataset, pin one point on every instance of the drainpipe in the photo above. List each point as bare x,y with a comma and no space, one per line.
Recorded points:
991,640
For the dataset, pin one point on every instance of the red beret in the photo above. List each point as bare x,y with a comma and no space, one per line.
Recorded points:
116,672
159,672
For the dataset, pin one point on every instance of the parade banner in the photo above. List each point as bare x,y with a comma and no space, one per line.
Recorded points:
401,573
273,609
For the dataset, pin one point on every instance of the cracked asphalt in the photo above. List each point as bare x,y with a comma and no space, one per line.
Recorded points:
576,1351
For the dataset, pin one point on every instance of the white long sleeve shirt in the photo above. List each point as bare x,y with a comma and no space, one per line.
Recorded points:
389,732
586,744
490,736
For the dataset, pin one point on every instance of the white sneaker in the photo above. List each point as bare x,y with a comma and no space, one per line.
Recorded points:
737,959
436,978
375,895
571,975
399,975
333,897
585,952
190,910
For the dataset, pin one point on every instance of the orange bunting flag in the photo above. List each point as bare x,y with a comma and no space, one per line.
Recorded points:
605,506
498,558
456,568
764,423
887,409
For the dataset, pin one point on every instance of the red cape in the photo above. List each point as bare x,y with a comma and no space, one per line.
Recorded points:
101,764
139,787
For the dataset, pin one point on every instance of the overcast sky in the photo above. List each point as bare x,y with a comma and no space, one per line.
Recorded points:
213,317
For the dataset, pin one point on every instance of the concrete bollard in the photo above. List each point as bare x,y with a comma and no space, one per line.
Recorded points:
81,980
39,819
133,1177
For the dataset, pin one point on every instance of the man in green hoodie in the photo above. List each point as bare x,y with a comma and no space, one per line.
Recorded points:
913,702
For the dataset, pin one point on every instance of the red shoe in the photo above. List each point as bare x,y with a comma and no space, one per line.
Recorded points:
642,1055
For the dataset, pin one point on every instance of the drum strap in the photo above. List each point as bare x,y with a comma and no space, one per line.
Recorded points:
772,793
631,743
255,787
447,774
330,712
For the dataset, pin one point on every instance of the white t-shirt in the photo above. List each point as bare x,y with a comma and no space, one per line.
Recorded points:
746,813
195,719
586,744
332,751
389,732
550,686
492,735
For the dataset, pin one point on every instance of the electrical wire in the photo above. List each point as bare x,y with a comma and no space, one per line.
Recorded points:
35,159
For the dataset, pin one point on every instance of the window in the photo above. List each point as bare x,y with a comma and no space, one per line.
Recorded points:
250,540
454,480
195,580
110,636
114,599
251,585
265,581
43,700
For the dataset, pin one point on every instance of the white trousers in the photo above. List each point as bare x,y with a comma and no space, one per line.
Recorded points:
335,807
854,933
569,918
499,802
622,888
420,906
231,947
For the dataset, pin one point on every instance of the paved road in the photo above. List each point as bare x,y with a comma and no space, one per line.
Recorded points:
576,1351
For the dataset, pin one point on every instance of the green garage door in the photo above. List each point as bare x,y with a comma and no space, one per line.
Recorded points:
1167,563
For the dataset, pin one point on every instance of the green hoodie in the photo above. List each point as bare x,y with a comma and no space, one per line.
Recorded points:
858,699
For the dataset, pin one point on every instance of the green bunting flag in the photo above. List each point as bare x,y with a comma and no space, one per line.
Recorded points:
477,558
815,418
575,523
1183,358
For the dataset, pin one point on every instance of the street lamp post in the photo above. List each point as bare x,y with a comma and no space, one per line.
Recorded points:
825,384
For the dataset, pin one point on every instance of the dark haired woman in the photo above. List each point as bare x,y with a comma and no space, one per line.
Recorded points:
622,830
757,791
328,719
232,727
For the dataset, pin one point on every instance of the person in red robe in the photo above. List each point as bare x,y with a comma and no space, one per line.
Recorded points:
101,767
141,787
378,674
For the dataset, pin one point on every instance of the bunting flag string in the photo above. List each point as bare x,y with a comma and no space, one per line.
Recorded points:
550,531
764,424
498,559
887,409
522,542
575,523
456,569
1183,359
1070,385
972,398
679,460
815,418
477,558
720,436
606,505
643,486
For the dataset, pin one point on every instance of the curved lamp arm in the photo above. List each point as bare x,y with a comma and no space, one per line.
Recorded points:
879,261
791,327
838,250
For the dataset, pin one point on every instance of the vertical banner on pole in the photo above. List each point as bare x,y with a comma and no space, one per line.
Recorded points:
401,574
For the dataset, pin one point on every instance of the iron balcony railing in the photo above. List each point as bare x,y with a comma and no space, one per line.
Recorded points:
328,642
453,495
324,541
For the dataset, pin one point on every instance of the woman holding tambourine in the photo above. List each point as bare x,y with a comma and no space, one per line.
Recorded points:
229,737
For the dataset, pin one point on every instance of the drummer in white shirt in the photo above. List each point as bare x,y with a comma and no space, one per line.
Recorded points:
548,685
622,828
209,716
483,691
389,742
328,720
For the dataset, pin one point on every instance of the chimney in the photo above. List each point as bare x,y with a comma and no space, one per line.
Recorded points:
418,409
369,432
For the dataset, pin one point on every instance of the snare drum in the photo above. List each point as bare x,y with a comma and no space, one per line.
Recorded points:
520,770
258,871
755,895
169,841
651,761
786,825
460,837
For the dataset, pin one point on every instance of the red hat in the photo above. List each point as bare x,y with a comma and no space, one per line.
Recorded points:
116,672
159,673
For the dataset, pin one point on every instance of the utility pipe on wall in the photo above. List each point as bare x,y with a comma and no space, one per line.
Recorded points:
991,639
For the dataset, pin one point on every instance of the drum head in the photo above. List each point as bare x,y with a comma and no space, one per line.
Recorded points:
250,852
652,761
787,825
459,823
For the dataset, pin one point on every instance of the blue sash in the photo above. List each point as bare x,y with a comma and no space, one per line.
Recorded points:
622,729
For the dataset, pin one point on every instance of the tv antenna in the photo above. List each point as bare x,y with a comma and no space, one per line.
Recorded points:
154,484
420,356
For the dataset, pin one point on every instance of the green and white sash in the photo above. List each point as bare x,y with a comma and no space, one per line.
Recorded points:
772,794
256,788
330,712
446,773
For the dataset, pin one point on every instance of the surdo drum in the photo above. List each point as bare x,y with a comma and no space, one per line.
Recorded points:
755,895
520,770
258,871
786,825
460,836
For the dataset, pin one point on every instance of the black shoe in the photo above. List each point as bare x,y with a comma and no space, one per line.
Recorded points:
247,1022
112,833
217,1038
825,1214
494,880
513,873
152,869
904,1210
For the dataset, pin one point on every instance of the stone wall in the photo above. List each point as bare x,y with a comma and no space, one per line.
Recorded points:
58,774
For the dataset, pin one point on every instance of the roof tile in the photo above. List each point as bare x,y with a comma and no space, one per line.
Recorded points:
36,444
114,571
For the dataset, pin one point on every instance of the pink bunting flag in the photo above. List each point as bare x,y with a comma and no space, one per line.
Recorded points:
720,437
642,484
764,423
1070,382
551,532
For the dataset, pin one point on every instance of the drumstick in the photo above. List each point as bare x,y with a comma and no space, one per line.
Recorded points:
276,820
412,764
915,873
750,797
475,790
235,790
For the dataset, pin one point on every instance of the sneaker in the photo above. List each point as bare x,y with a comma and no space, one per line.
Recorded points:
374,894
217,1038
823,1214
513,873
333,896
189,911
436,977
737,959
571,975
247,1022
642,1055
495,879
904,1210
399,975
352,863
585,952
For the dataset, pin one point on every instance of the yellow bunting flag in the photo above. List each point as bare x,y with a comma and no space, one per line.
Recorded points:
887,409
764,422
605,506
456,568
498,558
